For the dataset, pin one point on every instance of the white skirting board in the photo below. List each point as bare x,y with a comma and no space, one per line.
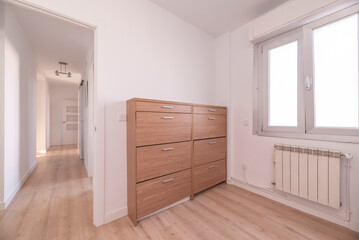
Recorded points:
114,215
271,195
2,206
354,225
17,188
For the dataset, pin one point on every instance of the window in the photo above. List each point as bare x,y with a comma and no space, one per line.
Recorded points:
307,79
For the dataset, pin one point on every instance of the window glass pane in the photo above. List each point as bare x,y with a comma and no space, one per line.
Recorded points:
283,85
335,49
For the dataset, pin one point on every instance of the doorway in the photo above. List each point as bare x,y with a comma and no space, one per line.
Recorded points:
49,39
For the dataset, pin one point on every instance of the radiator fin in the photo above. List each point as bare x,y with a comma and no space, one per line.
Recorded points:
334,180
303,173
294,172
279,169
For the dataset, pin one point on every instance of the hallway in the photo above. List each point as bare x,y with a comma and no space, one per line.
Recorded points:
54,203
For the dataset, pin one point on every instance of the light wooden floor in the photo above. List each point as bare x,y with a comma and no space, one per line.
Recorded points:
56,203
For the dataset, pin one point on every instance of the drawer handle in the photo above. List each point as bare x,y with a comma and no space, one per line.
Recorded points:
212,110
168,107
211,118
168,180
168,117
212,143
168,149
212,166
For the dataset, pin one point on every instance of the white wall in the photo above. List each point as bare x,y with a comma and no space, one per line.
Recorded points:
154,55
2,76
257,151
59,93
142,51
20,107
42,93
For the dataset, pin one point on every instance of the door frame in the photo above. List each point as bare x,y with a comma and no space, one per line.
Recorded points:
97,117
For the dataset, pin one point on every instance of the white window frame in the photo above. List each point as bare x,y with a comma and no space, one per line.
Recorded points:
265,47
305,128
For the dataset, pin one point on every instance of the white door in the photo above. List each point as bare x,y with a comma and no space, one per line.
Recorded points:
70,124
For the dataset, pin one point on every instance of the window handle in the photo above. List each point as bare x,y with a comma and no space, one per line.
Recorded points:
308,84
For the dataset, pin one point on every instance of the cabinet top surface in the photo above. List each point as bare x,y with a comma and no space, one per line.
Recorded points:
172,102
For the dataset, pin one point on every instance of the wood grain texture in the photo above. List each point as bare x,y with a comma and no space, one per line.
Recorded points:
171,102
209,150
162,107
208,175
56,203
158,193
209,126
153,128
210,110
159,160
131,161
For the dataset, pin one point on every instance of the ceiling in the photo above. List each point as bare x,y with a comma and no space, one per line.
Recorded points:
55,40
216,17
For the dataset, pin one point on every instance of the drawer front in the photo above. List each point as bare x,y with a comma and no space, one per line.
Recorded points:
209,126
210,110
156,128
155,161
158,193
208,175
162,107
209,150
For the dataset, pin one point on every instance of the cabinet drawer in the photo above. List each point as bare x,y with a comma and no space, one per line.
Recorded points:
209,126
162,107
209,150
156,128
159,160
210,110
208,175
158,193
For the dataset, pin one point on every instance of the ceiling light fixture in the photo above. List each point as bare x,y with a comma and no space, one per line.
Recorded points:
62,64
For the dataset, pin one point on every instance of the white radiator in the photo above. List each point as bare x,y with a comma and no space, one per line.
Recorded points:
310,173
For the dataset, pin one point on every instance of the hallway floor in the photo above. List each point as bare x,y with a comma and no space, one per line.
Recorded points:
56,203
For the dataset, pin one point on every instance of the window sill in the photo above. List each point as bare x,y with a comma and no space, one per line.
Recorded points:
309,136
